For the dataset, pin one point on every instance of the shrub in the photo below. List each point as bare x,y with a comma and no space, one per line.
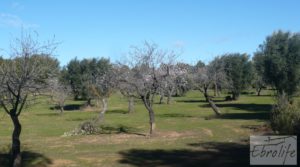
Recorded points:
86,128
285,116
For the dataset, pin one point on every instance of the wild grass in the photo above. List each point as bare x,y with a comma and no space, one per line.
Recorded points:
185,137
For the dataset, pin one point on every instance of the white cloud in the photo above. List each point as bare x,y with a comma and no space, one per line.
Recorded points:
178,44
222,40
17,6
9,20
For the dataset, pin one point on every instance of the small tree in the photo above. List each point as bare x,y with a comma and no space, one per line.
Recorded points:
182,81
239,74
78,74
126,89
22,77
144,76
202,81
103,87
258,73
72,75
59,93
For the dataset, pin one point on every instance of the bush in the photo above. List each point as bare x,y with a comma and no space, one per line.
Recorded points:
285,116
86,128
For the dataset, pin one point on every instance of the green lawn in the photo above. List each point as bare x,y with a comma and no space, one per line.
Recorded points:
187,133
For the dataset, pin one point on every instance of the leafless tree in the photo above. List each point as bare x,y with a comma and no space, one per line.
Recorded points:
144,76
182,81
22,77
171,76
59,93
126,89
204,77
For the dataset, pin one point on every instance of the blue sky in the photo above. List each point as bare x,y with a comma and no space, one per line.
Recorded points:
107,28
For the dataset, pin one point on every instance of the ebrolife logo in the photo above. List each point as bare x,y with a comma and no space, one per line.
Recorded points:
273,150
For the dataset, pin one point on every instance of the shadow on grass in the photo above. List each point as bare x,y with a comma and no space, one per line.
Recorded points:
250,111
175,115
203,154
48,114
69,107
29,159
199,101
117,111
106,129
247,107
246,116
76,119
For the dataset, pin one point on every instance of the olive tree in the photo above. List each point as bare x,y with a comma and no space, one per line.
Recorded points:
280,56
22,77
102,87
238,71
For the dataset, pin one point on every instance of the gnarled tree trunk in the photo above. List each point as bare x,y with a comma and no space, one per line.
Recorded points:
161,98
235,96
151,121
215,89
61,108
211,103
147,103
88,102
214,107
259,91
16,144
169,99
130,105
104,108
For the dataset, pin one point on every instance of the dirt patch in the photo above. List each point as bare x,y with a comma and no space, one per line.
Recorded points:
208,132
260,129
108,138
174,134
90,159
236,130
63,163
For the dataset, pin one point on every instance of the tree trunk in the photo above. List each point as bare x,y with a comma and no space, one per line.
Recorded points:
258,91
169,98
89,102
146,102
104,108
16,158
151,121
161,99
211,103
61,108
216,89
214,107
206,95
235,96
130,105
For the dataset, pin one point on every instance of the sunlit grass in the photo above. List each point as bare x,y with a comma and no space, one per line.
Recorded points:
178,125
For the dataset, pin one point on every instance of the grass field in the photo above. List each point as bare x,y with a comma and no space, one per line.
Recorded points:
187,134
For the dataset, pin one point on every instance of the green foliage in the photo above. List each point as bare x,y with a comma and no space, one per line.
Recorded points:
280,57
200,64
80,74
285,117
238,71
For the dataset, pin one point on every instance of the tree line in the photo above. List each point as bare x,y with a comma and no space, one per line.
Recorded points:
149,72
